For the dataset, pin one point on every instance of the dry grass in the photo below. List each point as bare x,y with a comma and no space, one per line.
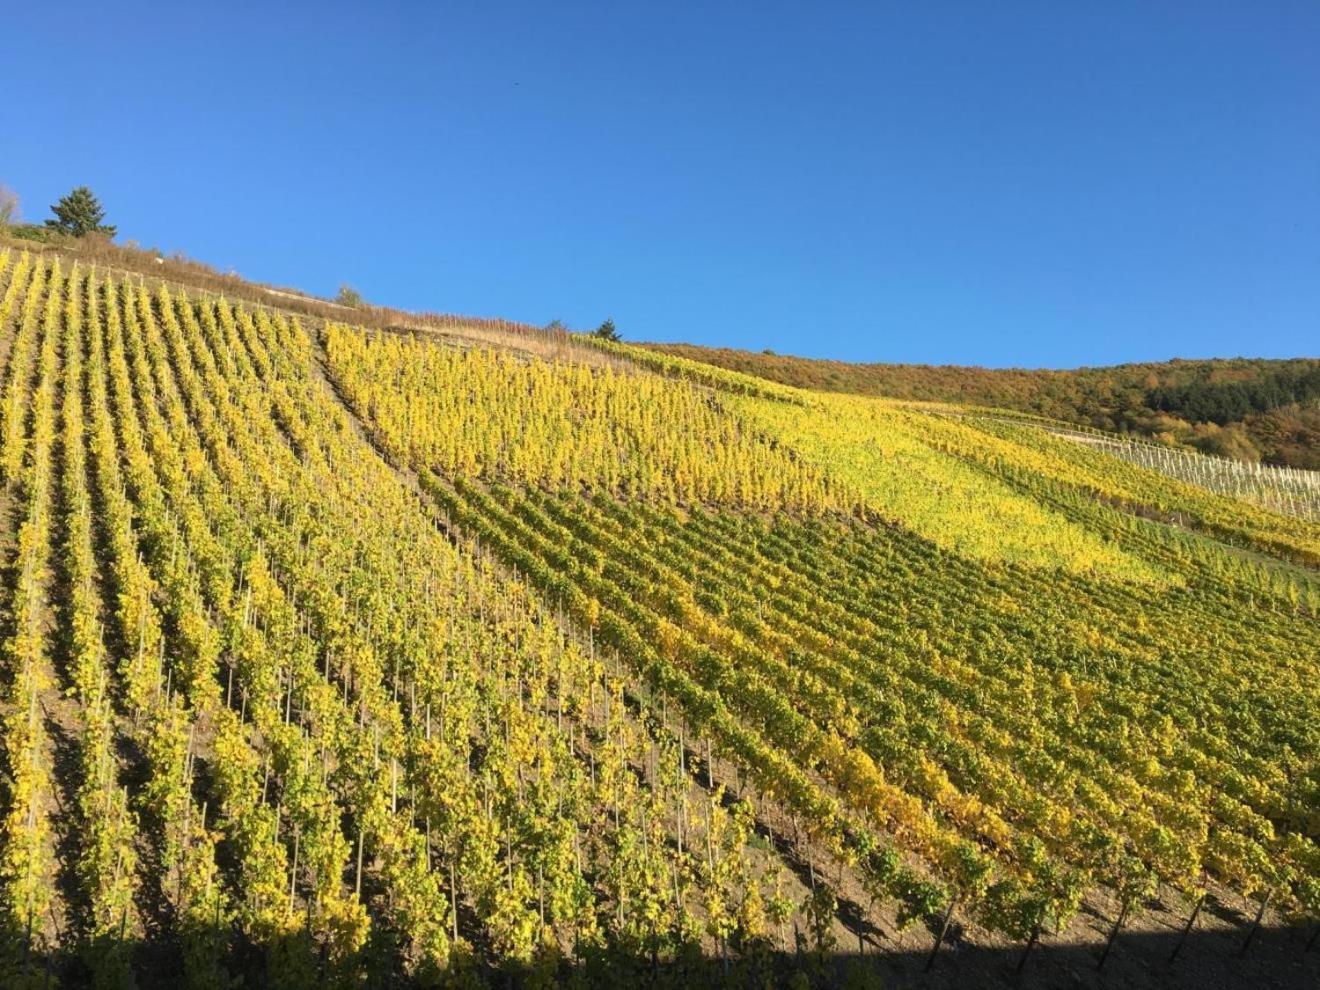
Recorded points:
180,270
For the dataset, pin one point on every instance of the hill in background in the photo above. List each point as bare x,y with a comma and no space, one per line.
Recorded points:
1249,409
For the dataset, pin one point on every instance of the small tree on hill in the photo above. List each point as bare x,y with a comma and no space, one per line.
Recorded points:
79,214
349,296
606,331
8,206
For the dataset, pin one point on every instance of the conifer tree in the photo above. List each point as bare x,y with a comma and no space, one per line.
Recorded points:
80,213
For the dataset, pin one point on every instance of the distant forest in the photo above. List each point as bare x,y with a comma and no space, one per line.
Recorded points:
1254,410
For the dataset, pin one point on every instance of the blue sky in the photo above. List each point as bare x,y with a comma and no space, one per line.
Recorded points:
1031,184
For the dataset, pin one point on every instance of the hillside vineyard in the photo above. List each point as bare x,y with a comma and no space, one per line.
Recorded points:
353,658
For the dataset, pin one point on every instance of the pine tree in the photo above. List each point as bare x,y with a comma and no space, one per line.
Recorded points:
79,214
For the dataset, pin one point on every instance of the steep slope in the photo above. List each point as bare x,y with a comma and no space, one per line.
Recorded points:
341,656
1029,720
313,726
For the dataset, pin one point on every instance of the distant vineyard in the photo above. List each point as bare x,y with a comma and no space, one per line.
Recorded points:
1289,491
971,480
1269,406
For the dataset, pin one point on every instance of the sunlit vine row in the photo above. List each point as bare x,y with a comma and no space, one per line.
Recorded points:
26,853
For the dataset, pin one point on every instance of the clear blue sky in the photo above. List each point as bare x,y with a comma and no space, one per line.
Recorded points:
1039,184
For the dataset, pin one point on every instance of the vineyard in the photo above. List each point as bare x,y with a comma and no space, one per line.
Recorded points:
349,657
1289,491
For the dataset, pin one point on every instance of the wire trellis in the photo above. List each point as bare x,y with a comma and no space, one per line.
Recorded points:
1290,491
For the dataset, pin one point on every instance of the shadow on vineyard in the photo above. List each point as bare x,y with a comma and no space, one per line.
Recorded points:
1208,960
